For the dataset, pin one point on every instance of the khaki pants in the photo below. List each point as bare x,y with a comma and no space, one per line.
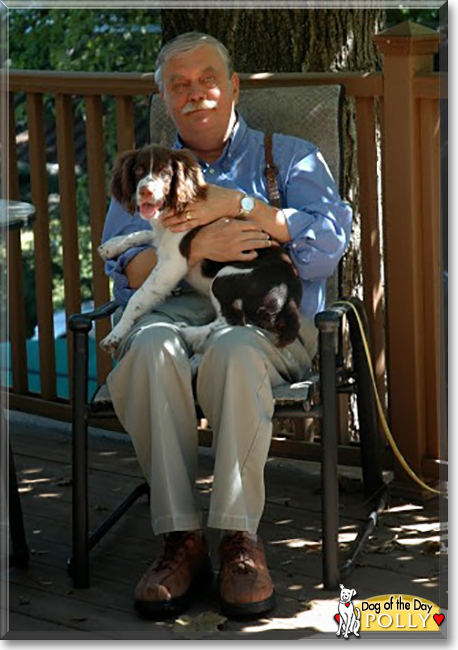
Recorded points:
152,392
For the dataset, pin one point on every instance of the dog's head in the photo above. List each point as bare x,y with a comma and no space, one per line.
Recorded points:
155,178
346,594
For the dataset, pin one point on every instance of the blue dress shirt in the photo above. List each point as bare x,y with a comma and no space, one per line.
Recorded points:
319,222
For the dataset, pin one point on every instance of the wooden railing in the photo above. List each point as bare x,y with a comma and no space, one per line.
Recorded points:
407,136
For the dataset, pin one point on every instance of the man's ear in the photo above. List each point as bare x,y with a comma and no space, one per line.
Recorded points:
236,87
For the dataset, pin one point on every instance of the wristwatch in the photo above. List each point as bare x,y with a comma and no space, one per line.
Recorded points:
247,205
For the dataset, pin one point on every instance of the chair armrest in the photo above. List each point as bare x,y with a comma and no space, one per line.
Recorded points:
329,322
83,322
333,314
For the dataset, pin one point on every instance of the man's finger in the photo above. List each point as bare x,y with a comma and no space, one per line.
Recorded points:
260,241
246,256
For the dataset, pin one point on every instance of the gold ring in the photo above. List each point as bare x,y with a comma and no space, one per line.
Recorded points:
188,216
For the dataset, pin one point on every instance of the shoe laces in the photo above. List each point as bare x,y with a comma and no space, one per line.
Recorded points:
238,553
172,551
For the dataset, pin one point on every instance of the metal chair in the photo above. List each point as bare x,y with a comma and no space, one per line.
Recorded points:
313,113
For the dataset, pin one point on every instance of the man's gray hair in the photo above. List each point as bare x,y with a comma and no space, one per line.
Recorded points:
186,43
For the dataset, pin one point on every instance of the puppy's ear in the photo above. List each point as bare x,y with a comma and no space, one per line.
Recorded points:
287,326
123,181
272,305
188,182
353,592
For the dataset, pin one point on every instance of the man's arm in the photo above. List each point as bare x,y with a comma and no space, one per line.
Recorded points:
225,202
139,268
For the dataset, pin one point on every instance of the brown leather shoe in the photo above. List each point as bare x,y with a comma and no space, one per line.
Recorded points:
246,588
166,587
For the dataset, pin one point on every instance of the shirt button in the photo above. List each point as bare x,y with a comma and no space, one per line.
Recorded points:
212,171
294,245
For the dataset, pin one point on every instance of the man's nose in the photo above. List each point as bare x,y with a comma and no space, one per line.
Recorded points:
196,91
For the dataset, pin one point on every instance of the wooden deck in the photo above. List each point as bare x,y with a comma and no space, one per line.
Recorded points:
403,557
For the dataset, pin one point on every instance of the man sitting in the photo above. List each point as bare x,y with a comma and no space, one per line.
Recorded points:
151,386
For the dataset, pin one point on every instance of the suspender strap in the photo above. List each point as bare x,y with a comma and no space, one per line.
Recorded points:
271,172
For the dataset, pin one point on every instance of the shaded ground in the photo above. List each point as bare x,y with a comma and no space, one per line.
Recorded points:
406,556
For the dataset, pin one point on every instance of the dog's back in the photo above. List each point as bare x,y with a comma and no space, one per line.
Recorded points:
265,292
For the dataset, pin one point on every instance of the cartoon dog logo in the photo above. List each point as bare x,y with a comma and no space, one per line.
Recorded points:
349,616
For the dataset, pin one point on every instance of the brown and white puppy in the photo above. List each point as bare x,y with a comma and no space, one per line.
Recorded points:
265,292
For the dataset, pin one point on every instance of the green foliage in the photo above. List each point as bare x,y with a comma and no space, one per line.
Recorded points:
89,40
427,17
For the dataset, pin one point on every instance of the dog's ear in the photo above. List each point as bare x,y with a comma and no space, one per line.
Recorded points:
188,182
353,592
288,324
341,586
123,181
272,305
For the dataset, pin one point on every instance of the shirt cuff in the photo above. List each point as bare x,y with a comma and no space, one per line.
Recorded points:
296,221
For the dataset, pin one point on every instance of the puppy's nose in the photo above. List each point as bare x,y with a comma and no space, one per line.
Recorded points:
146,193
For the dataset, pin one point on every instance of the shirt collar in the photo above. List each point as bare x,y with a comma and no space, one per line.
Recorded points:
233,143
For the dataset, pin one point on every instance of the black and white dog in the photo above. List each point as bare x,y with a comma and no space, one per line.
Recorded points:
265,292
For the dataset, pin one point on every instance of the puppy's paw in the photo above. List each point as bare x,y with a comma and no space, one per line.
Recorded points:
110,343
106,251
195,337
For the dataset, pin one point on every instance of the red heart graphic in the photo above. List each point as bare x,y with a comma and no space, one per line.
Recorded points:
347,604
337,617
438,618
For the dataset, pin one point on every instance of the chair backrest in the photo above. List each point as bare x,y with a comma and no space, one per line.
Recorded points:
313,113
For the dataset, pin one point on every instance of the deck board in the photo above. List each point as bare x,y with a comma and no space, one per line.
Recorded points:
401,558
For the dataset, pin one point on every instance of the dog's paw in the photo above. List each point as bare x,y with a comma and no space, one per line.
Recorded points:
110,343
196,337
106,251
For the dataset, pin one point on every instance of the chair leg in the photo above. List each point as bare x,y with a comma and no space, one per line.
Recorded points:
369,438
329,478
79,563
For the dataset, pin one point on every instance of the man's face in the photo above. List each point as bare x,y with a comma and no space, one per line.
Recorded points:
199,95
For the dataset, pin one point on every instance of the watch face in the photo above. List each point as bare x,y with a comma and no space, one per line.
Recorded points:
248,203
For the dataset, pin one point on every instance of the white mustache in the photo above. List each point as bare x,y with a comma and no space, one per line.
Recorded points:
204,104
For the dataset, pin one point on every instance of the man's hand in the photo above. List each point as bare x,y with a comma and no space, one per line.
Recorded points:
220,202
229,240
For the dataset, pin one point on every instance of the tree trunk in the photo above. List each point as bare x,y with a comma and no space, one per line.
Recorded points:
298,40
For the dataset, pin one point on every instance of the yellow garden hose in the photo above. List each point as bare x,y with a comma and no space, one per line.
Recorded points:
385,427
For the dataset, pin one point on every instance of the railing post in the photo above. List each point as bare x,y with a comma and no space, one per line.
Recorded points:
408,49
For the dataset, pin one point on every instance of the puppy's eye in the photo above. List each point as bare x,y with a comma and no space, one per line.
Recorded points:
139,171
